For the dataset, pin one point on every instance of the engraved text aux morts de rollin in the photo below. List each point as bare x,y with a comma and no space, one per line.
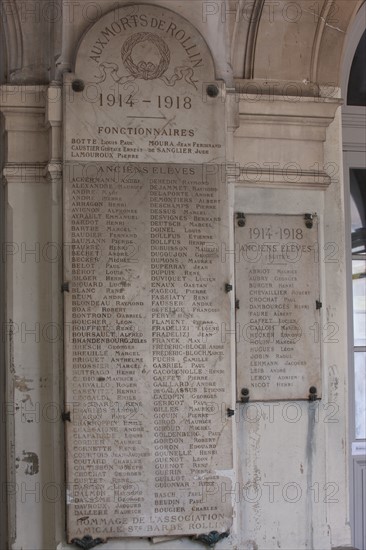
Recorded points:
143,21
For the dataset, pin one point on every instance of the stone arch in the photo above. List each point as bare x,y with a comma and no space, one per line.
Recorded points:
288,41
331,47
357,28
29,37
12,57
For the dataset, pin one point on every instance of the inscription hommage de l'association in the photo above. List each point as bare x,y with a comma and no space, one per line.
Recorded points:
143,21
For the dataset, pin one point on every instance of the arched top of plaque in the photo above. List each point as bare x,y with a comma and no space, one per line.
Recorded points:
144,89
171,41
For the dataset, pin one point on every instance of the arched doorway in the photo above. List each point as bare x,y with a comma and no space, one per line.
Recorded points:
3,466
354,149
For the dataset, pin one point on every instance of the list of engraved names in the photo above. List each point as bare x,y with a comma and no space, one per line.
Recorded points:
148,362
277,277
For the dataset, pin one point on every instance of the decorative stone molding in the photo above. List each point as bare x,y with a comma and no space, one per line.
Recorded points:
27,144
54,121
30,172
280,141
292,90
277,112
288,179
354,135
22,96
53,172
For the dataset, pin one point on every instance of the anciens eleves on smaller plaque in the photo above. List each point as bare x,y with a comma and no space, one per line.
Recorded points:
279,319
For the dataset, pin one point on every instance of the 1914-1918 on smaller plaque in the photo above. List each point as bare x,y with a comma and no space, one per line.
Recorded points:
278,320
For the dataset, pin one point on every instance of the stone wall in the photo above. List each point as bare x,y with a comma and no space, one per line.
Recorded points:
284,157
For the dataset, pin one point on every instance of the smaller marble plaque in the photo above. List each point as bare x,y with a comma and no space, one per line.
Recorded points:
278,320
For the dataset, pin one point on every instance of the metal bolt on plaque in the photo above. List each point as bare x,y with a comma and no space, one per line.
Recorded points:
309,220
245,395
212,538
65,416
78,85
87,542
212,90
313,393
240,216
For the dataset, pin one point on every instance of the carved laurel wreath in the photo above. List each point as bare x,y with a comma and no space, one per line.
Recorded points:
146,71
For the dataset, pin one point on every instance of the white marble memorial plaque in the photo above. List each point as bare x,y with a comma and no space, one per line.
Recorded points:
144,74
278,323
148,380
